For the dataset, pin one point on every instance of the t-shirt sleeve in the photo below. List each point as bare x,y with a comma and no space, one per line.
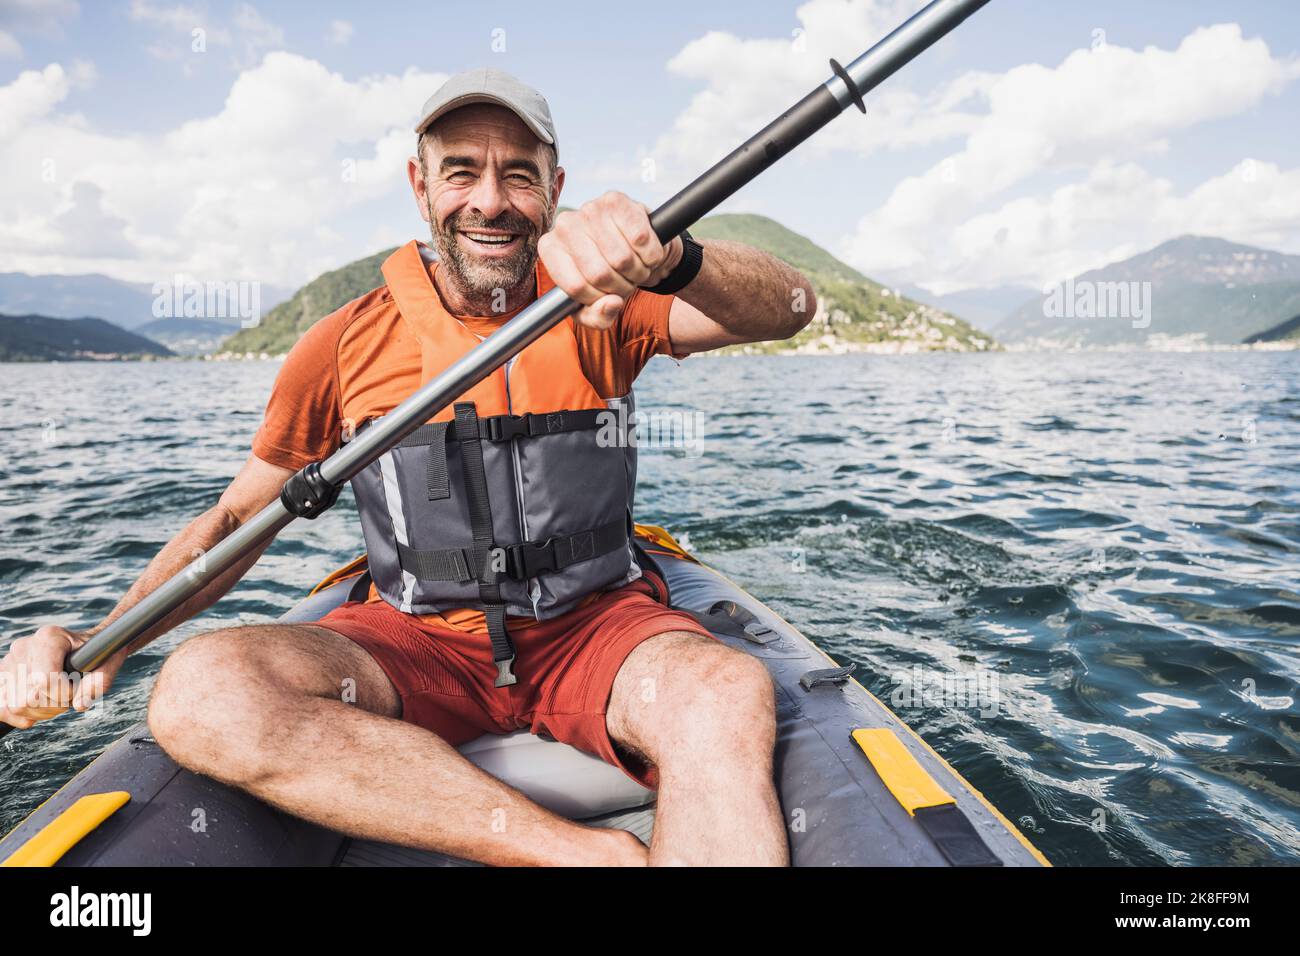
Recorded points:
303,422
643,331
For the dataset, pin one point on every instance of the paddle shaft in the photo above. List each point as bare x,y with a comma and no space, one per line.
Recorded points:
845,88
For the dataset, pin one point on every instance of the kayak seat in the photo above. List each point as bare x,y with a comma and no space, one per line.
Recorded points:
559,777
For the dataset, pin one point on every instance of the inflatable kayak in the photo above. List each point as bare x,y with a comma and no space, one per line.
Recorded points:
858,787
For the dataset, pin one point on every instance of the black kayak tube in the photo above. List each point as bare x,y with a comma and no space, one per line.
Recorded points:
314,489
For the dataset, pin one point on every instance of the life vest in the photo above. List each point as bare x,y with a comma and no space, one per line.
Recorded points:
516,500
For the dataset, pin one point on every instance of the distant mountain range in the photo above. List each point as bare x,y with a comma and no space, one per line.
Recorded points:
43,338
854,313
1190,290
187,336
1187,291
128,305
125,304
986,308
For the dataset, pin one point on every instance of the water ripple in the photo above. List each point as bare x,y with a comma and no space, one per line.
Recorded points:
1102,546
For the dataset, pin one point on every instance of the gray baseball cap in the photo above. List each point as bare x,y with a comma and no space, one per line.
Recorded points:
491,86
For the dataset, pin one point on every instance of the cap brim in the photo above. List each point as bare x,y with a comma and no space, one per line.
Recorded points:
468,99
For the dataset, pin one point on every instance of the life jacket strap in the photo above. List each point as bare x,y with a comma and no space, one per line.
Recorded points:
480,519
508,427
452,564
530,425
520,561
503,648
532,558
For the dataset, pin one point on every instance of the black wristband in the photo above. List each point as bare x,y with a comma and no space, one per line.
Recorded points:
686,270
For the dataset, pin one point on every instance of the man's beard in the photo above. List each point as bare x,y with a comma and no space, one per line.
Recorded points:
487,285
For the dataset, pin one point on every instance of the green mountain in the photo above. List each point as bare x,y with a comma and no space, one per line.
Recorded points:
282,326
40,338
770,236
854,314
1203,290
1288,331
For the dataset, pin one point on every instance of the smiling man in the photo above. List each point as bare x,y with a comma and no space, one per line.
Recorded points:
506,592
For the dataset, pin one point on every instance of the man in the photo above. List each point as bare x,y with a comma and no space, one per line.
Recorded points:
493,607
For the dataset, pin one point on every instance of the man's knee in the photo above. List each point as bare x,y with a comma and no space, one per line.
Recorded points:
230,698
697,694
209,696
734,694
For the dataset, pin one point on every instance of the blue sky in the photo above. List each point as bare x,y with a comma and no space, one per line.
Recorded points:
134,155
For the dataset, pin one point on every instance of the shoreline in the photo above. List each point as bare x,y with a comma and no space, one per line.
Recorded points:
872,348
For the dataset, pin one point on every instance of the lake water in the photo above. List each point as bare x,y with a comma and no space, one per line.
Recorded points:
1105,547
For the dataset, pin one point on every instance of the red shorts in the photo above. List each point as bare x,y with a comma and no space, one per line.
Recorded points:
566,668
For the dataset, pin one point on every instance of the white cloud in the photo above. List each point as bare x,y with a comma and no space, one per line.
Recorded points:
248,34
1099,110
1116,212
254,34
172,16
188,30
31,95
743,78
95,231
1255,202
45,17
977,217
256,190
340,32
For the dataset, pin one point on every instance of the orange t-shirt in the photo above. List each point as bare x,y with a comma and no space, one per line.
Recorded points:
363,360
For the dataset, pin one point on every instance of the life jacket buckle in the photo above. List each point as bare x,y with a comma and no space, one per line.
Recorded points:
507,427
528,560
505,672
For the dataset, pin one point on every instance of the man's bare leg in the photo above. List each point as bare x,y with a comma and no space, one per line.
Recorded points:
262,708
705,716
